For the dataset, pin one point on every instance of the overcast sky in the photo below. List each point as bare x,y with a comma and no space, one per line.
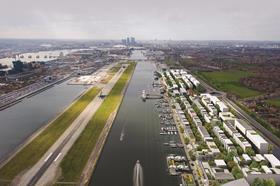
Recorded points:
144,19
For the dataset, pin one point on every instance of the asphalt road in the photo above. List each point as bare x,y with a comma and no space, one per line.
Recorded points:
51,158
45,170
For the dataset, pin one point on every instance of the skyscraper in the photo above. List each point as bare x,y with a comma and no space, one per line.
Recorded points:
132,41
129,41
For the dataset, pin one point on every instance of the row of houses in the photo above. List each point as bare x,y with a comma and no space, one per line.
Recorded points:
187,82
210,106
174,85
239,129
213,149
239,139
257,140
227,143
203,111
227,117
182,117
188,79
218,170
269,167
245,137
174,89
211,100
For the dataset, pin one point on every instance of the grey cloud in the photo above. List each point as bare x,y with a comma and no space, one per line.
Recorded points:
145,19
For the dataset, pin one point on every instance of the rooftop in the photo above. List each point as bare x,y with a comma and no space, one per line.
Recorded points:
272,159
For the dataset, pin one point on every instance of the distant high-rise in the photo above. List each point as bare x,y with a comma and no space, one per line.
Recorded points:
129,41
18,66
124,41
132,41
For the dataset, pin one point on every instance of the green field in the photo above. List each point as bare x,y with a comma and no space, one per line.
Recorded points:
228,81
74,162
274,102
31,153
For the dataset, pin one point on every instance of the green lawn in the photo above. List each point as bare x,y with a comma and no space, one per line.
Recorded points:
74,162
31,153
274,102
228,81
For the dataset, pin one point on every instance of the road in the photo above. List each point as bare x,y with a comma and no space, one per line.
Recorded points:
45,170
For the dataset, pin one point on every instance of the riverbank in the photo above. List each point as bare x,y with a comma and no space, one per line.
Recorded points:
30,153
95,154
74,162
33,93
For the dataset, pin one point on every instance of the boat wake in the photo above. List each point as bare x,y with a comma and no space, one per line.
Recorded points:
138,179
122,134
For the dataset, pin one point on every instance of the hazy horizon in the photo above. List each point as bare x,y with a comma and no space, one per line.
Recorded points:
146,20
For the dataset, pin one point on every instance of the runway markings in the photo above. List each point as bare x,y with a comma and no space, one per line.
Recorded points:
48,157
57,157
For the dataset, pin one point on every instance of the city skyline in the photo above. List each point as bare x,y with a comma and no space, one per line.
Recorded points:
145,20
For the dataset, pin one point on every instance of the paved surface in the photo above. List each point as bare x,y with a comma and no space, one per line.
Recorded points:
92,161
45,170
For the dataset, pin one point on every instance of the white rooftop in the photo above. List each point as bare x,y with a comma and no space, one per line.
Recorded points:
220,163
272,160
266,169
256,137
246,157
240,182
259,157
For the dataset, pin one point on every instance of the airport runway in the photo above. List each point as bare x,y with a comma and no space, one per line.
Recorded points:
45,170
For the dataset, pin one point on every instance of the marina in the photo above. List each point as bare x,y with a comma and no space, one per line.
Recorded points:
176,164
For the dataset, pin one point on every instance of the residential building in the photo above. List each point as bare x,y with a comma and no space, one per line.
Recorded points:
227,116
259,142
274,162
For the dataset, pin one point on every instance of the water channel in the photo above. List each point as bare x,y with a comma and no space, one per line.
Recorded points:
135,136
21,120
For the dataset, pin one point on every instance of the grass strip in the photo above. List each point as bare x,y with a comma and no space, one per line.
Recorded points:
74,162
31,153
